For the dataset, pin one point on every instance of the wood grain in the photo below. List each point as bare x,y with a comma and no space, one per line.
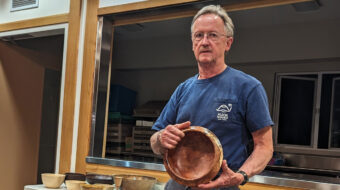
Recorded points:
139,6
84,129
30,23
257,186
70,85
110,170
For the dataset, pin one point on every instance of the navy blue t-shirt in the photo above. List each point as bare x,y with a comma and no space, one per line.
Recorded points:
231,105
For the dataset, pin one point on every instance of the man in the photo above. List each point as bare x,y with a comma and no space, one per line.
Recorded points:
232,104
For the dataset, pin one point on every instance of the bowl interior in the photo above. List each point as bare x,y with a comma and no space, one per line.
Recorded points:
193,157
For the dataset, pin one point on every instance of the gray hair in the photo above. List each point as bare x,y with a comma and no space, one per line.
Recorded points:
219,11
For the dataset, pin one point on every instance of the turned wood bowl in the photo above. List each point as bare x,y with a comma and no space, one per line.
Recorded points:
196,159
133,182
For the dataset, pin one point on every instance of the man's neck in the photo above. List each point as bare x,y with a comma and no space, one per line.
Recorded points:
209,70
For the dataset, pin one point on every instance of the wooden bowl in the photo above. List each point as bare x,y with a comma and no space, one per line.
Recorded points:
133,182
51,180
196,159
96,187
74,184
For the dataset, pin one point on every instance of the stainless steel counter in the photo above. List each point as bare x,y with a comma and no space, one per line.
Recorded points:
297,180
267,177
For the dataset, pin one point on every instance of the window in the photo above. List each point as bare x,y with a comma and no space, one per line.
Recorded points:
306,110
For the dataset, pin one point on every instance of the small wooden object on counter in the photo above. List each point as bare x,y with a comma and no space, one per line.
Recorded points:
96,187
74,184
51,180
118,181
133,182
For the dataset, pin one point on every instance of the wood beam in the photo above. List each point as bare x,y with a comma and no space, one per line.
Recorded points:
30,23
140,6
70,85
84,130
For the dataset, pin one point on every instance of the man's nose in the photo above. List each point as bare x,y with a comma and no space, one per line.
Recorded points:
205,39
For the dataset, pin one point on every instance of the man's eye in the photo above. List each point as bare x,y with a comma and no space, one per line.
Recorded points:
213,35
199,35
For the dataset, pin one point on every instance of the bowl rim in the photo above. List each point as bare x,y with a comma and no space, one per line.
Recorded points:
209,174
53,174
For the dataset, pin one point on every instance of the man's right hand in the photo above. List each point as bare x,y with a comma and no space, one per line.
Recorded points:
172,134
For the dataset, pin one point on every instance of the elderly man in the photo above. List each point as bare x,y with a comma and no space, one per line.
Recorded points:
228,102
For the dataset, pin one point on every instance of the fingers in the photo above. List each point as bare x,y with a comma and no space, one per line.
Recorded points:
169,140
226,169
224,180
184,125
172,134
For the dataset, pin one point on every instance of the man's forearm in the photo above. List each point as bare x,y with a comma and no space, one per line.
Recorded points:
257,161
156,144
262,153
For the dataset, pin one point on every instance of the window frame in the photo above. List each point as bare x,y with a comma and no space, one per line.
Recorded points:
316,117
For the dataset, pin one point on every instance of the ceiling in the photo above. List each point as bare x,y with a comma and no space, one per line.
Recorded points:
259,17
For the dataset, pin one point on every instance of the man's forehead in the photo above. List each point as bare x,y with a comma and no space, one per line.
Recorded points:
209,18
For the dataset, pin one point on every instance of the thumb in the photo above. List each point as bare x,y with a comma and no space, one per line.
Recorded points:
184,125
225,167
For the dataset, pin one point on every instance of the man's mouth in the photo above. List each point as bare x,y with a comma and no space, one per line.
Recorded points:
205,51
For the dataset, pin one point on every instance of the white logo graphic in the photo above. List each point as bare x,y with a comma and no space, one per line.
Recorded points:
223,110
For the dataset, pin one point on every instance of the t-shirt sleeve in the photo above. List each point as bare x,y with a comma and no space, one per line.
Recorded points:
257,114
168,114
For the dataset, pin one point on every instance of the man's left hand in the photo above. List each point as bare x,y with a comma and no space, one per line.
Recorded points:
228,178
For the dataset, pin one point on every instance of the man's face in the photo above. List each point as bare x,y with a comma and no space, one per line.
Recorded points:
210,49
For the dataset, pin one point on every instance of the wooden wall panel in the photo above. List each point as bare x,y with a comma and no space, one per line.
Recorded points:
70,85
43,21
84,129
140,5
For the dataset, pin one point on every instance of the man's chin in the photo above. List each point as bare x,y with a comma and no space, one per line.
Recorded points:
204,61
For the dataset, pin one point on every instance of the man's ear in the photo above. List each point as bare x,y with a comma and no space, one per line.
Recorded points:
228,42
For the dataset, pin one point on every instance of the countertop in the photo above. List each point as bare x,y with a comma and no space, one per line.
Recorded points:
42,187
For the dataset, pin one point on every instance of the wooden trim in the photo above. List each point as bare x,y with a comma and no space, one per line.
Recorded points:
30,23
112,170
258,186
139,6
84,130
70,85
188,13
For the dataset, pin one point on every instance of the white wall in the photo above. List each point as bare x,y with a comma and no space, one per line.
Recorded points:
46,8
107,3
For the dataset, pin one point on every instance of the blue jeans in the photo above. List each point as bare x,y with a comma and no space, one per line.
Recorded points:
173,185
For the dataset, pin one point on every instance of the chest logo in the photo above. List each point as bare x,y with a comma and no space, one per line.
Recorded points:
222,111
